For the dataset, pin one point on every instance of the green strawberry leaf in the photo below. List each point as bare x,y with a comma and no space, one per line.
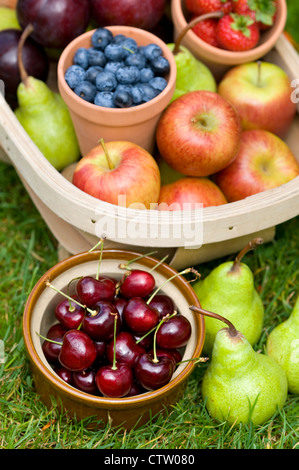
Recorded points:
264,9
241,23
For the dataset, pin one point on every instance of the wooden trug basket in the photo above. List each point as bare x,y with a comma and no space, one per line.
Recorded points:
72,215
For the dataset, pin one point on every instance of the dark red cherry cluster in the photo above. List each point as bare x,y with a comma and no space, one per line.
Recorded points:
116,338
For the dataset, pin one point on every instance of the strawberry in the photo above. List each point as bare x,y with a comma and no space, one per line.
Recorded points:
200,7
261,11
237,32
206,30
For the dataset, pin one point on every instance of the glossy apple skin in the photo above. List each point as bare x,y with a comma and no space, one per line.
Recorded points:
135,175
263,162
264,104
199,133
145,14
56,22
187,193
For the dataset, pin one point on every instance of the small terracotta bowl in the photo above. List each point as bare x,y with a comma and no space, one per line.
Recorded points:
219,60
136,124
39,316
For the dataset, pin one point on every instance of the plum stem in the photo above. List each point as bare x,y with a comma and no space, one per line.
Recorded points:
206,16
250,246
25,34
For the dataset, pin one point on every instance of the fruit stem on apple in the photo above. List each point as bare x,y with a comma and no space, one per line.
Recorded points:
92,312
215,14
232,330
185,271
110,164
259,73
25,34
250,246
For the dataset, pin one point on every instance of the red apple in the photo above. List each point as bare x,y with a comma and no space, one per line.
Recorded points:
187,192
261,93
119,169
264,161
199,133
144,14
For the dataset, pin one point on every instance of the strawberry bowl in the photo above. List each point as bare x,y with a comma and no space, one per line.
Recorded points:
218,59
39,317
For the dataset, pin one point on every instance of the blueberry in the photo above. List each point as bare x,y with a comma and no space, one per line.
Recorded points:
104,98
160,65
148,92
137,94
81,57
128,74
152,51
146,74
91,73
158,83
96,57
114,52
86,91
101,38
74,75
137,60
122,87
118,38
122,99
129,45
106,81
113,66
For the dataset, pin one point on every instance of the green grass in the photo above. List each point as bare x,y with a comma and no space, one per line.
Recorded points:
27,250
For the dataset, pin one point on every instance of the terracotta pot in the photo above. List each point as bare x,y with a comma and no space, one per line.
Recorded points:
38,317
219,60
136,124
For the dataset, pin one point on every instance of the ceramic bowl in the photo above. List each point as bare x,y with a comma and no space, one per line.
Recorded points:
219,60
39,316
136,124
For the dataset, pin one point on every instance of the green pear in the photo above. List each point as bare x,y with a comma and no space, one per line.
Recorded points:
241,385
229,290
283,346
192,74
8,19
46,119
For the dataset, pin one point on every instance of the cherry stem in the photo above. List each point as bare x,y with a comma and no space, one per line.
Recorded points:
186,271
100,260
164,319
250,246
232,330
26,33
215,14
110,164
114,367
154,328
92,312
126,266
158,264
48,339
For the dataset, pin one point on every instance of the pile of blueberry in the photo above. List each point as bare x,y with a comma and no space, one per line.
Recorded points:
117,73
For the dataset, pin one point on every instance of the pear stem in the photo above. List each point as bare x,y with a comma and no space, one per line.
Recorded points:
25,34
110,164
206,16
232,330
250,246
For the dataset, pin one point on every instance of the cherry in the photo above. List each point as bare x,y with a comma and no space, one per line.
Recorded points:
101,347
136,389
99,324
137,283
69,313
84,380
90,290
173,354
152,374
51,349
64,374
163,304
56,331
126,349
139,316
114,380
145,341
78,351
174,333
120,303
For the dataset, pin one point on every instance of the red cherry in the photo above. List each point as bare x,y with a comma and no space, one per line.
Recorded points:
163,304
69,313
64,374
126,349
78,351
173,354
174,333
138,283
84,380
100,325
139,316
153,375
51,349
90,290
114,382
